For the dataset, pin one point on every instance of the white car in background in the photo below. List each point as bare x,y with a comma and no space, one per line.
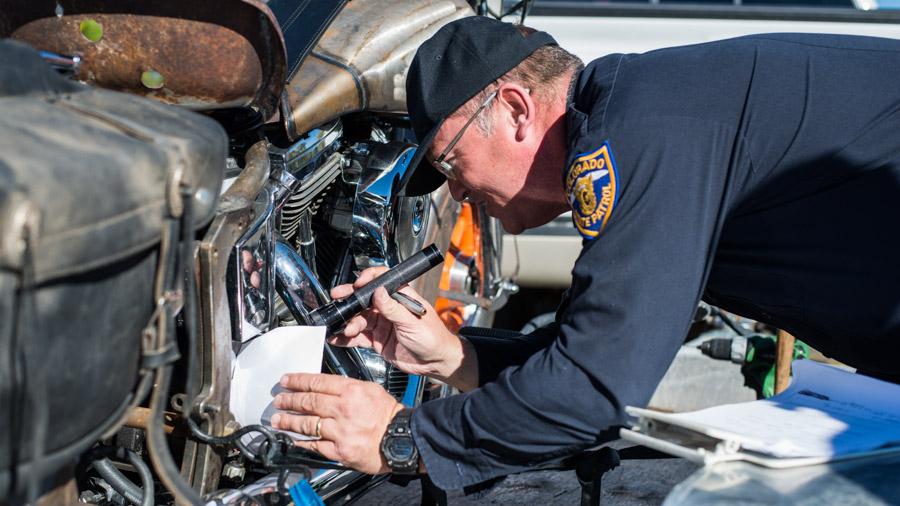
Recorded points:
591,29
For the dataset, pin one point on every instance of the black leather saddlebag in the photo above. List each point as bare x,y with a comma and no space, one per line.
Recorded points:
88,179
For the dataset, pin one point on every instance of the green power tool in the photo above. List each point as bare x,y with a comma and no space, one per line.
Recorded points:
756,354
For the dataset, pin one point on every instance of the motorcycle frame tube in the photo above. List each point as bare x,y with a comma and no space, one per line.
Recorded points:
347,483
201,465
495,288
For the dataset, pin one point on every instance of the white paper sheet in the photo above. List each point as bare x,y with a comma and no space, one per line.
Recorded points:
826,412
261,364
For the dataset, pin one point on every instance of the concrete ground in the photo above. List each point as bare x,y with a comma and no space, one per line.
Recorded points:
693,382
633,483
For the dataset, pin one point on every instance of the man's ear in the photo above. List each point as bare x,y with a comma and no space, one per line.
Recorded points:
518,108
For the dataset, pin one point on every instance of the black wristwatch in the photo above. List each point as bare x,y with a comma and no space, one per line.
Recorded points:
398,446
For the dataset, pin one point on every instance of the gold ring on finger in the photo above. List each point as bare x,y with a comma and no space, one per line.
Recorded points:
319,428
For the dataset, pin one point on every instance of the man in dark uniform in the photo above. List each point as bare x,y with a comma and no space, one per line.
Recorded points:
761,174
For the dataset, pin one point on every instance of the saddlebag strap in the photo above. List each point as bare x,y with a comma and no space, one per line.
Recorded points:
157,358
158,348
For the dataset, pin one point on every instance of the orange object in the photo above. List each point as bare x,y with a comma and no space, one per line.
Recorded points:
465,245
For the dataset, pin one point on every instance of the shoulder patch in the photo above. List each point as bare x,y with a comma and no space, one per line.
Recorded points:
592,190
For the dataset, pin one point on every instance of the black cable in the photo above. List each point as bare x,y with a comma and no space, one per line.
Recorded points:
131,492
159,447
160,454
234,439
190,296
99,458
282,488
276,454
146,478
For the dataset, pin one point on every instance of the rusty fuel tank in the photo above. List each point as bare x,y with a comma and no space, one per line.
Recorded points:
201,54
360,63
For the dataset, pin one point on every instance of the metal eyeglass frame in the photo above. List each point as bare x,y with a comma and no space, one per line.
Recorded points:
439,164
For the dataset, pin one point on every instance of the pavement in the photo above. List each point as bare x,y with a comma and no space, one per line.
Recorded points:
693,382
633,483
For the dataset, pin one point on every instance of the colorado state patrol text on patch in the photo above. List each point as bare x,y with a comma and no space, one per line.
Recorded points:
592,189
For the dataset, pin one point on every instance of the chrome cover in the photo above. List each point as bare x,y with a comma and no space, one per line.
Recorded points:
254,270
303,157
387,228
375,241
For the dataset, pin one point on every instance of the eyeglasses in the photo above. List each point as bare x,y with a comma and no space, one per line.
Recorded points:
445,168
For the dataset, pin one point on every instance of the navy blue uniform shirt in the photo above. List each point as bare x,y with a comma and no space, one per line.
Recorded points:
761,174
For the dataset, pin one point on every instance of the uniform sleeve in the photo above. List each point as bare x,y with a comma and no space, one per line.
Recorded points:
635,290
496,353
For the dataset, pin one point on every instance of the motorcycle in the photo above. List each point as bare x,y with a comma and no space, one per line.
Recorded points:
289,184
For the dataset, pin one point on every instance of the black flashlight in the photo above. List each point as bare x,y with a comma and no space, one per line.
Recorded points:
336,314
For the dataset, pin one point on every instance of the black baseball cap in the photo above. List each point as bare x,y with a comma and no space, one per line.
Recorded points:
454,65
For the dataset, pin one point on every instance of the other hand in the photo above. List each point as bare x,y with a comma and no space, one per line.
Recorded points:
412,343
351,417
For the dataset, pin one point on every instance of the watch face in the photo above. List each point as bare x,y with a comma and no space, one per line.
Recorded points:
402,448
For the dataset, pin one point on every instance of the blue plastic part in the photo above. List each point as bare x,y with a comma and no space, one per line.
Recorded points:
303,495
412,388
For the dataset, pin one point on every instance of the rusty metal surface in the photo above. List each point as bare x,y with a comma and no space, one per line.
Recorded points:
202,464
360,63
139,418
209,54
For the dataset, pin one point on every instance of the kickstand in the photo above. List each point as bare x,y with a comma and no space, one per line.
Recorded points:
589,471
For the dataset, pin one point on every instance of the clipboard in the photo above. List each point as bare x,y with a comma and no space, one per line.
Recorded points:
709,447
827,414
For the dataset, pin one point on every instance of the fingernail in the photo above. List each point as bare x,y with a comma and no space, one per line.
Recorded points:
275,419
284,380
277,401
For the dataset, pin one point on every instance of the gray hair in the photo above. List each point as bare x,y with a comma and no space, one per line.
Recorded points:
540,73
